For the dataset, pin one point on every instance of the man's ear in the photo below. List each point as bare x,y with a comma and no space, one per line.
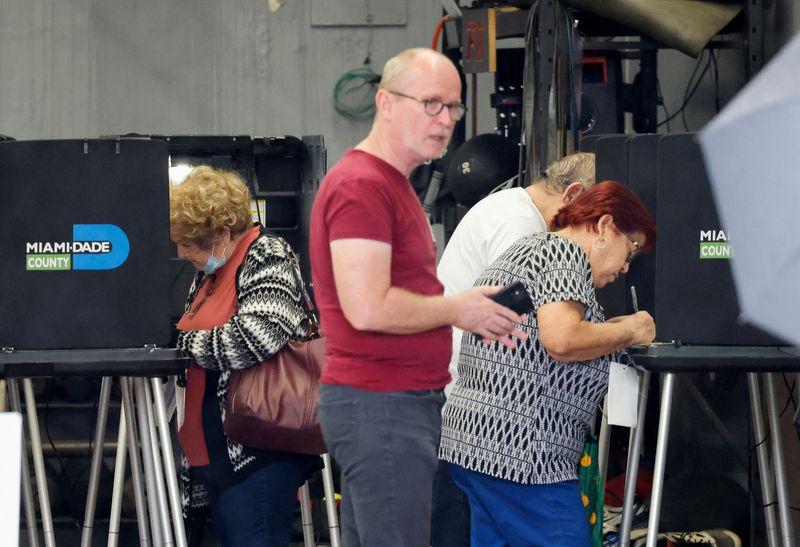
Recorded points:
571,192
383,101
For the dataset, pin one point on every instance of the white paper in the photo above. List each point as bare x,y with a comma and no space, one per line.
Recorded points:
10,464
623,395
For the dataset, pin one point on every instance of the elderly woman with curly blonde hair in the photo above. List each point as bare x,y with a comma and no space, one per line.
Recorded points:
243,306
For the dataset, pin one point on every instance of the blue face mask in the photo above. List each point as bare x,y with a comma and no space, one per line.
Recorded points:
213,263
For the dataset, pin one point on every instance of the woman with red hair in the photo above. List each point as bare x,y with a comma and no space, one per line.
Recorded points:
514,426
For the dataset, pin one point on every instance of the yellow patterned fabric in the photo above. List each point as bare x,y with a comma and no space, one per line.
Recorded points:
592,490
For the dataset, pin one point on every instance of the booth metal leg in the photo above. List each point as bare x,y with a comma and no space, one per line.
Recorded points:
151,484
764,466
602,444
27,497
152,433
38,463
779,465
330,501
632,469
27,491
119,481
136,465
169,463
97,460
305,516
661,458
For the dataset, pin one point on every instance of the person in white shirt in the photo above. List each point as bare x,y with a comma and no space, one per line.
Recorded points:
489,228
500,219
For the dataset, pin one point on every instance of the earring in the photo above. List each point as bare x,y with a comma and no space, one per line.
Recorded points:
600,243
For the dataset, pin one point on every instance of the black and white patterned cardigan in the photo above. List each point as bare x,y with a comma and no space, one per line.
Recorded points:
270,313
521,415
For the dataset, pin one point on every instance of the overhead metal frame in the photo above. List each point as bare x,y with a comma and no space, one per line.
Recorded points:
513,24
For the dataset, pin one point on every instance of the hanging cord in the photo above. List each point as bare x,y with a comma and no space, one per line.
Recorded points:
354,91
688,93
438,32
663,104
696,85
716,80
354,94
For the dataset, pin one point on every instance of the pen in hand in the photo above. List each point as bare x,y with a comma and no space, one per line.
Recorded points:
634,300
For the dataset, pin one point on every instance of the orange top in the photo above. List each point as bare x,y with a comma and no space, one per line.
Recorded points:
213,306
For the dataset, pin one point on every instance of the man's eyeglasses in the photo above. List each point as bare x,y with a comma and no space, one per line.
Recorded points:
434,106
636,248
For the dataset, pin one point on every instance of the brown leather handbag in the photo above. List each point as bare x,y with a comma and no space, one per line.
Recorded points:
273,405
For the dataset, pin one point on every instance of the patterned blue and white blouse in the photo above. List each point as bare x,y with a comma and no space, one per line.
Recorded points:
520,414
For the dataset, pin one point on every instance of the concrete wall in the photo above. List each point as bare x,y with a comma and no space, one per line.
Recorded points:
82,68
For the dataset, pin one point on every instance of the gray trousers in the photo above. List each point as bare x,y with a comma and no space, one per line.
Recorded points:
386,444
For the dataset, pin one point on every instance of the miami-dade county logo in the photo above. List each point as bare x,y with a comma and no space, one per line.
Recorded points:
714,245
93,247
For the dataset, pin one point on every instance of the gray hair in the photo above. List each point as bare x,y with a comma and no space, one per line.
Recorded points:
397,70
578,167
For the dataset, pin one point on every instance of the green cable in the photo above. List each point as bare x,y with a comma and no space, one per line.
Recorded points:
354,94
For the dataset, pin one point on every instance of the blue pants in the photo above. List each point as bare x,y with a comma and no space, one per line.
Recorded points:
386,444
509,514
260,510
451,518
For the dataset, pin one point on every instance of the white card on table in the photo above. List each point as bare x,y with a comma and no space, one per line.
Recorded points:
623,395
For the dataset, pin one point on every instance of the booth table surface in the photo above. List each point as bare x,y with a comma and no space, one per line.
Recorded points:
675,358
92,362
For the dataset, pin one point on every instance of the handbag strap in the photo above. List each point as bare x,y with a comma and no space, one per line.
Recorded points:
308,306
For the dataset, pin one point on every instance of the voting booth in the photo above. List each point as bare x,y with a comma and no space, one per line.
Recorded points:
92,287
85,227
686,283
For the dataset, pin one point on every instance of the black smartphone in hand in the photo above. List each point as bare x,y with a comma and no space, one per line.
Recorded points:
515,297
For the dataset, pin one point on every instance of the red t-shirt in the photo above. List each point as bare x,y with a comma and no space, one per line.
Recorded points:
366,198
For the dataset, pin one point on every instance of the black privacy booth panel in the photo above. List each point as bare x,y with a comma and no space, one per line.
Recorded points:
85,243
686,283
695,296
611,153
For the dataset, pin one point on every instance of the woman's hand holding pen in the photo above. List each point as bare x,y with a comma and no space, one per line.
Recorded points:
643,328
640,325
